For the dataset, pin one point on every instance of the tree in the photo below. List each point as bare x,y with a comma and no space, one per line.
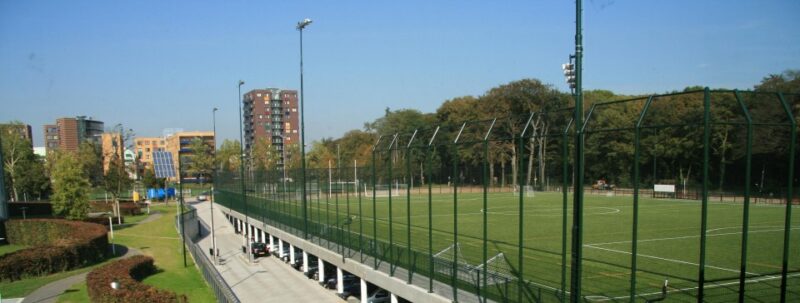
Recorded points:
16,152
265,155
227,156
149,179
91,162
116,179
70,188
201,160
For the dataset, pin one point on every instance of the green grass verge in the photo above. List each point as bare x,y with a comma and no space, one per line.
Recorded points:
158,239
4,249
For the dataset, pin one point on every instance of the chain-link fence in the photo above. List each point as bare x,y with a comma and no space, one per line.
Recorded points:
690,187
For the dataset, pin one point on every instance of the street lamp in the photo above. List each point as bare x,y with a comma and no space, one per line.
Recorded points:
241,175
300,26
213,185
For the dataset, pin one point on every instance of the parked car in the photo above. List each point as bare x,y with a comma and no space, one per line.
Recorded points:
258,249
346,279
312,272
379,296
351,289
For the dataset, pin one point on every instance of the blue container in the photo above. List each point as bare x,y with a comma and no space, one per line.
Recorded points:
153,193
161,193
171,192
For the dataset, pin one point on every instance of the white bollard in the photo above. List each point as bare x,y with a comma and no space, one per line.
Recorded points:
394,298
280,248
364,294
305,261
291,254
320,270
339,282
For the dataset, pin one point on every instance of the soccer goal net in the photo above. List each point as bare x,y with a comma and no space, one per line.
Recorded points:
497,268
526,189
396,189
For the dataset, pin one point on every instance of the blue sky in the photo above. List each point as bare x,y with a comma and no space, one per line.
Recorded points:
152,65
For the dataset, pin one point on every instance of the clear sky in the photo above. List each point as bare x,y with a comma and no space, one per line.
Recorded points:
152,65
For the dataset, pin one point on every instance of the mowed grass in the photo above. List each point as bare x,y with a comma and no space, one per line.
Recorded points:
160,240
668,245
7,248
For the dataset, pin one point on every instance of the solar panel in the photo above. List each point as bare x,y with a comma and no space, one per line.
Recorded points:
162,164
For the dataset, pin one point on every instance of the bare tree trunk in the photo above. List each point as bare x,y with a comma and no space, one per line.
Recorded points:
530,161
514,166
503,174
542,153
491,174
722,161
422,173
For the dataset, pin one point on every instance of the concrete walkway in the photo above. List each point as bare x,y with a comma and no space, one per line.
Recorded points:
266,280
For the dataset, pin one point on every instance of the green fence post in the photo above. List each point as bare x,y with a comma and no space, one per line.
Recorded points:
637,153
409,174
374,212
747,183
485,207
564,205
430,214
704,211
577,217
454,278
360,219
391,229
789,196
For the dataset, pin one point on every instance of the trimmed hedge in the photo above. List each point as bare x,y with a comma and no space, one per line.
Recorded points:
57,245
127,272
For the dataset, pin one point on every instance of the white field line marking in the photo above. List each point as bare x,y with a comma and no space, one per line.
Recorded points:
670,260
714,285
687,237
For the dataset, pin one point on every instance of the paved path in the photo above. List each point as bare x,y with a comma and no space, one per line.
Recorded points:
50,292
268,280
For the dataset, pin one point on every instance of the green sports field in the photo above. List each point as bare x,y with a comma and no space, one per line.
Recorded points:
668,241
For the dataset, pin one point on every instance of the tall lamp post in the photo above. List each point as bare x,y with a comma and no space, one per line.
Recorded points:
300,26
577,215
3,202
246,233
213,186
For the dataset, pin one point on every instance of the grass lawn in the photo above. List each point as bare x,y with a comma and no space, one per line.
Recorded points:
668,244
4,249
158,239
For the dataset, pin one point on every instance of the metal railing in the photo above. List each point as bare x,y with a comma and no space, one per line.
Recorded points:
221,289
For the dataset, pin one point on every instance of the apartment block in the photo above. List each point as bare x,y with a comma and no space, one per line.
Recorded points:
273,115
68,133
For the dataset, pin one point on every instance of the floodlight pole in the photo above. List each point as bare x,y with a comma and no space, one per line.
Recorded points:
300,26
213,186
577,216
246,233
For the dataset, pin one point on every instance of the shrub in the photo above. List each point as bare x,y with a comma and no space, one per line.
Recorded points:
58,245
127,272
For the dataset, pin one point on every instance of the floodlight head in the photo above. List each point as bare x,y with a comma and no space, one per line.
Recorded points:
570,79
568,66
241,82
215,109
569,72
302,24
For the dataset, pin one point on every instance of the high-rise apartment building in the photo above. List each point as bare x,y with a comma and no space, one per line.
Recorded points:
68,133
273,115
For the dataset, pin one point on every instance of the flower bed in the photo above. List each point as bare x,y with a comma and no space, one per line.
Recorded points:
57,245
127,273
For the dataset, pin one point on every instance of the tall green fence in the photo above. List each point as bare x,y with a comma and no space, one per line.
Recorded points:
692,188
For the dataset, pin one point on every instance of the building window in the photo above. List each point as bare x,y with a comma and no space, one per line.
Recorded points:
294,109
